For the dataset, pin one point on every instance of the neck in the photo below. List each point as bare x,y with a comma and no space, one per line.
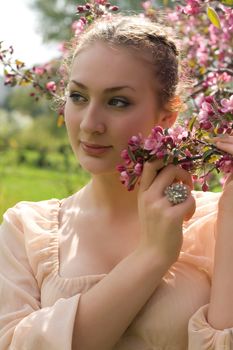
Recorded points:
105,191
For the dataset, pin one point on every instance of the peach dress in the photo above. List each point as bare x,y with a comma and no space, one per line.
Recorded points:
38,306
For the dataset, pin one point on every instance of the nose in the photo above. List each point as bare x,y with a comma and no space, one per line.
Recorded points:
93,120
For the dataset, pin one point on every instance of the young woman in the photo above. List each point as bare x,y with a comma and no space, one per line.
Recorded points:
106,268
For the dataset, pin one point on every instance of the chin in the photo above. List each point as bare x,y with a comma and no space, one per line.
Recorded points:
97,166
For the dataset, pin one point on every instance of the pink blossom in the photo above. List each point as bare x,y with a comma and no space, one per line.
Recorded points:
51,86
39,70
192,8
78,27
178,133
125,156
225,77
225,164
100,2
138,169
227,104
199,99
125,178
135,142
173,16
205,124
161,154
147,4
120,168
153,144
206,106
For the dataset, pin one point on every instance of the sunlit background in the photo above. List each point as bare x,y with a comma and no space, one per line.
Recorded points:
20,27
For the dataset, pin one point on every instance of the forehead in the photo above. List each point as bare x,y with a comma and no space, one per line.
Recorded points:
104,65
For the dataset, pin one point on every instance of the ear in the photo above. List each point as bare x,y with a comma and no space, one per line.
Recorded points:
169,113
167,118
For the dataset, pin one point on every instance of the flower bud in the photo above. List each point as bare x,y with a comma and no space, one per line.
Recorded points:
51,86
206,125
220,130
114,8
157,129
120,168
80,9
209,99
205,187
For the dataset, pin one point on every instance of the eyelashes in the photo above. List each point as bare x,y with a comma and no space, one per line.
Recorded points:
125,103
79,99
75,97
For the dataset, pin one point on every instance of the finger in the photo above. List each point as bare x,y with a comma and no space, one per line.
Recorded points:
224,138
227,147
185,209
228,180
170,174
150,171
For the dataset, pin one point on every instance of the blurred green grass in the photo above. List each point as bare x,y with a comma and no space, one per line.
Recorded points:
27,183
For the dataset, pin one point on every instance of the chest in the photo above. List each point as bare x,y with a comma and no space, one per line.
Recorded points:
92,247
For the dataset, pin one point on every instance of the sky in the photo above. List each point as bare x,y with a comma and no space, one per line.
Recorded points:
19,28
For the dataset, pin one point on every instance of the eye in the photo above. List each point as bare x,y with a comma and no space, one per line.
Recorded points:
76,97
119,102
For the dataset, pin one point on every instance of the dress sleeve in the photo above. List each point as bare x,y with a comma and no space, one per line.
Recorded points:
24,325
202,336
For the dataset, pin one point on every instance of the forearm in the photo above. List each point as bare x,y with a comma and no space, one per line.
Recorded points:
220,314
107,309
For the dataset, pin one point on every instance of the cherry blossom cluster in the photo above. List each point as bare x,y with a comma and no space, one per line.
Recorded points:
187,145
89,12
209,50
44,80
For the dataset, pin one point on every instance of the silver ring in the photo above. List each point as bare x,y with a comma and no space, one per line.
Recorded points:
176,193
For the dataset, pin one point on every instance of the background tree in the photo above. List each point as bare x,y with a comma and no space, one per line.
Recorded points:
57,16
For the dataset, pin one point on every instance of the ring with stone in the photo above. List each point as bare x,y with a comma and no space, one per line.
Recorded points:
176,193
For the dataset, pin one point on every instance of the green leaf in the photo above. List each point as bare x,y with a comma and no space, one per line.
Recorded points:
207,154
213,17
175,161
131,155
165,159
227,2
191,123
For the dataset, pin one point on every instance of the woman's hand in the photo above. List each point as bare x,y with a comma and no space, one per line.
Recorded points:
225,143
161,222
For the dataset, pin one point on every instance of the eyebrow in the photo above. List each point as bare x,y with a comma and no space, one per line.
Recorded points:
111,89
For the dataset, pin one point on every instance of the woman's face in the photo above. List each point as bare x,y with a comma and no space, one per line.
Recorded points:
111,98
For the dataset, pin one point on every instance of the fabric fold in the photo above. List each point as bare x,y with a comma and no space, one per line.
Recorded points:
24,324
203,336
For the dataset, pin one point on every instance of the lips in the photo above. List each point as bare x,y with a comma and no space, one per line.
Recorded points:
93,149
93,145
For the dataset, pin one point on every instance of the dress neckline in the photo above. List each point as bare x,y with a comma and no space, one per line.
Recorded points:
57,251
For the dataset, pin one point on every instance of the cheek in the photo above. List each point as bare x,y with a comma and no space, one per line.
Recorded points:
71,118
72,124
